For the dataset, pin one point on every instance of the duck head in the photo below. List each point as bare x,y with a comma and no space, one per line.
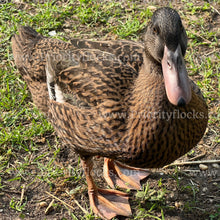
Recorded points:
166,42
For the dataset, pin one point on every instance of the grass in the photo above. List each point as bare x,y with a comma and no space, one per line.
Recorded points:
151,200
31,153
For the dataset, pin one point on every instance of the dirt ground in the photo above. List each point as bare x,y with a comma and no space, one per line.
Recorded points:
190,193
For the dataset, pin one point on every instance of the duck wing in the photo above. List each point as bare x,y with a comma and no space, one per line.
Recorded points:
84,92
30,49
129,52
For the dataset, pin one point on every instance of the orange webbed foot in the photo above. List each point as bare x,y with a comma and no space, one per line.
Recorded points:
123,176
106,203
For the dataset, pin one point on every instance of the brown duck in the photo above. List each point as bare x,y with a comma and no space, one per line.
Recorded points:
130,103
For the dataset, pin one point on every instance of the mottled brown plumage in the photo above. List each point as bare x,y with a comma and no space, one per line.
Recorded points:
117,99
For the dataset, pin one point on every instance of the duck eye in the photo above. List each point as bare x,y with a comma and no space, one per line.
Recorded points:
155,30
181,26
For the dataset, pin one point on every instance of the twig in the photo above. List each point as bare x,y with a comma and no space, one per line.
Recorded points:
67,203
204,39
8,191
215,10
59,200
49,208
77,203
209,53
19,172
198,157
215,180
43,199
22,194
192,162
194,183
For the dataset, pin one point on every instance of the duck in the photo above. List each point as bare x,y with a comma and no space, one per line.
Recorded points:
131,103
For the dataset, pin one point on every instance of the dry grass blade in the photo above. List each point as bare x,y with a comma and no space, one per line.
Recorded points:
66,204
192,163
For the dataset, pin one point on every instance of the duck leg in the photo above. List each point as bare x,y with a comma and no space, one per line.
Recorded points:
118,174
106,203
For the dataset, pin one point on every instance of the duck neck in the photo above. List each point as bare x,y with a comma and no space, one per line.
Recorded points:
147,99
149,86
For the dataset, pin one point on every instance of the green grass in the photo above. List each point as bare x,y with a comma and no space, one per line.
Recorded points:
216,215
27,140
150,201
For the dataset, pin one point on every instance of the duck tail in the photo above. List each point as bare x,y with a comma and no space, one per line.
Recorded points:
23,46
23,42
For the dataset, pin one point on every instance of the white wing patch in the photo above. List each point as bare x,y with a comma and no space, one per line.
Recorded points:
55,92
59,94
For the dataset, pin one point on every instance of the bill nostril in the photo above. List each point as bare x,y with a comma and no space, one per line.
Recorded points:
168,64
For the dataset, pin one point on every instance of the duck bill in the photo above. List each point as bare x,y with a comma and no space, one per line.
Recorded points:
176,79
